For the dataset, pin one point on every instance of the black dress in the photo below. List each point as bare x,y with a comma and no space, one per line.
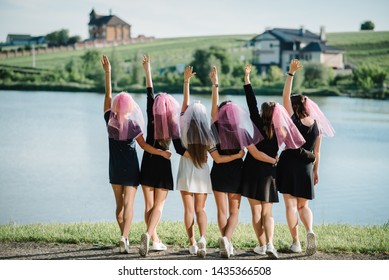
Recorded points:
156,171
123,159
258,178
294,176
226,177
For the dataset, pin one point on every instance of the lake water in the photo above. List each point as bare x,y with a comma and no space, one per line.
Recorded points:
54,162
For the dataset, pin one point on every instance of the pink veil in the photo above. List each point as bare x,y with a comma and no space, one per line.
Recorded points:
195,126
286,131
235,129
126,119
315,113
166,111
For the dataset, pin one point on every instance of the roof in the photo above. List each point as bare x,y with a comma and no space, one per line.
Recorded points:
320,47
19,36
111,20
292,35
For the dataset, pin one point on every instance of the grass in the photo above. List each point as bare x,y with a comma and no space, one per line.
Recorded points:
331,238
165,52
363,47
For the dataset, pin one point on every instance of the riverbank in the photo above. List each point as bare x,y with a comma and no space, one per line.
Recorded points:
56,251
99,241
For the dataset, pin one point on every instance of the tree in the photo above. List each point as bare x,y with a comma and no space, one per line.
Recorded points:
367,25
204,59
369,76
316,74
74,39
275,74
58,38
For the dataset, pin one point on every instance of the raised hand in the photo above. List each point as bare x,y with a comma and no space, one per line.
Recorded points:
105,63
188,73
294,66
146,62
213,76
247,70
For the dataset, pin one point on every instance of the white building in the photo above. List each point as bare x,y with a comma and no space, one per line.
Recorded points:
278,46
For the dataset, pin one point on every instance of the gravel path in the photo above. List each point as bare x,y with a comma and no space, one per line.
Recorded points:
52,251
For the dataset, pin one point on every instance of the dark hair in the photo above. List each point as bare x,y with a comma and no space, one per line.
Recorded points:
298,105
224,103
197,151
267,109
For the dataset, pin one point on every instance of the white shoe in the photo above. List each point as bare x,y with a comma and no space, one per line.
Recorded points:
193,249
224,246
231,249
158,246
124,245
311,244
144,244
295,247
260,250
202,245
271,251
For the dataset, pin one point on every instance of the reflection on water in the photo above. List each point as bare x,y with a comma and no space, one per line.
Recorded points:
54,161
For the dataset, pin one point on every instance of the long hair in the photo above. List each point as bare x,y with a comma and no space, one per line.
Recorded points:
267,109
197,151
298,105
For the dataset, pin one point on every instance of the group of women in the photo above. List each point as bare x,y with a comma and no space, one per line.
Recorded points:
294,128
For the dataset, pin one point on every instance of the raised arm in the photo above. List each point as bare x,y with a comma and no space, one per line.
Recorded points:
261,156
293,67
215,93
108,88
250,96
188,73
147,67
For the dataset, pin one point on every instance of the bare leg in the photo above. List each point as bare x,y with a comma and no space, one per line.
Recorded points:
305,213
148,195
256,210
129,196
156,212
268,221
187,199
233,205
221,204
201,216
119,197
292,215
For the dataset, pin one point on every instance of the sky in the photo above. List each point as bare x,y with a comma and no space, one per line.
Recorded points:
178,18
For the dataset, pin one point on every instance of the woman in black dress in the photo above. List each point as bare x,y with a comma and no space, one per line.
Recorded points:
226,170
258,182
297,171
124,124
156,171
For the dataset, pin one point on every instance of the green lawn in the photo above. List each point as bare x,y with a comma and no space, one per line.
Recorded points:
331,238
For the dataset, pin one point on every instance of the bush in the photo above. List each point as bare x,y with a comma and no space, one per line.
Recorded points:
316,74
369,76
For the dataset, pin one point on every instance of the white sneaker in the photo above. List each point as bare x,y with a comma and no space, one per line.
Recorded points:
295,247
202,245
260,250
158,246
224,246
311,244
144,244
271,251
124,245
231,249
193,249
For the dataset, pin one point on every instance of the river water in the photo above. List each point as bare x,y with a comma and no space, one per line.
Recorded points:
54,161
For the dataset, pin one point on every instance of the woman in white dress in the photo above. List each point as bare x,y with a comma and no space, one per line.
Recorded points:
193,179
